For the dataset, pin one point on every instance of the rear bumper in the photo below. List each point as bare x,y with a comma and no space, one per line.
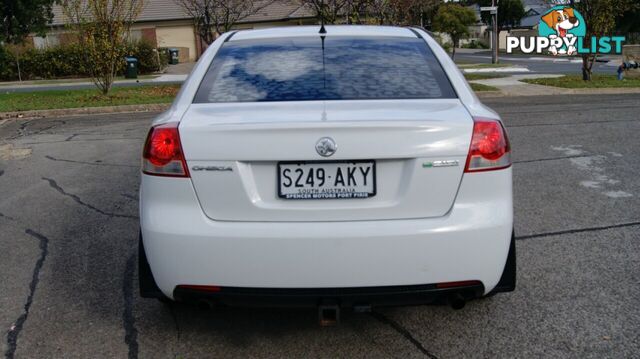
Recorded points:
343,297
184,247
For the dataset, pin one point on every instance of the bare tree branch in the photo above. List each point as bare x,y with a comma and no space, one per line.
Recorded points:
214,17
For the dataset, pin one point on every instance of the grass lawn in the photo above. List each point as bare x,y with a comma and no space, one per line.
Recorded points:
56,99
483,76
138,95
481,87
71,80
575,81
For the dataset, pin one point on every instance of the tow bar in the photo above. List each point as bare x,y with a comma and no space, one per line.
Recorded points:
328,315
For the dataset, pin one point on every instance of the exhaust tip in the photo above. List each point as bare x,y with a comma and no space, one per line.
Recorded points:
457,301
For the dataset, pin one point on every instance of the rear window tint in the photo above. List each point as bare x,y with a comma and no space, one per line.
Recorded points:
303,69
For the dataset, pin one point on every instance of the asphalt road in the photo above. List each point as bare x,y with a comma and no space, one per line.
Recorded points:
68,234
541,64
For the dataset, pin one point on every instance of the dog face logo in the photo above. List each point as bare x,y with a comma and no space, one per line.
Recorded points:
562,22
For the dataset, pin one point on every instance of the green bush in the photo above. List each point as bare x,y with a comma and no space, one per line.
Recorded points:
473,44
149,58
53,62
8,68
68,61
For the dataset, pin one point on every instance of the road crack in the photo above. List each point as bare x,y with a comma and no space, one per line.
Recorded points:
550,159
174,315
77,199
404,332
16,328
128,319
578,230
23,127
90,163
2,215
84,140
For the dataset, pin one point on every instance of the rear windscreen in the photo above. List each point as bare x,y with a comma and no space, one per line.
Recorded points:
310,68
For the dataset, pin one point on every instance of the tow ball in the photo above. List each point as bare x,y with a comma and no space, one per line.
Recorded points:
328,315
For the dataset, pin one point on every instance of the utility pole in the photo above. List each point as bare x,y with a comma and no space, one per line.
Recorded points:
494,54
493,10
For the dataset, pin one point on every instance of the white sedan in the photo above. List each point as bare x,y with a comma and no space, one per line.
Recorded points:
345,167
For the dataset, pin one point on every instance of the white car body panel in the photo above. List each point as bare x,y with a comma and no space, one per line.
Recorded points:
185,247
400,135
425,225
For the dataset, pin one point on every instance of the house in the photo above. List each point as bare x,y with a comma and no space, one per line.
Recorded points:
534,9
165,24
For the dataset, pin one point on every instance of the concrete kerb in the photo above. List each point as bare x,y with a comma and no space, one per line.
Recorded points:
84,111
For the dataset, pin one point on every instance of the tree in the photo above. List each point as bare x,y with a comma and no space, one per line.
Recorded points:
599,22
628,23
329,11
393,12
414,12
510,12
102,28
214,17
23,17
454,20
380,10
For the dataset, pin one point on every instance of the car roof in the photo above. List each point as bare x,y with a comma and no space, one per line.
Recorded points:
332,30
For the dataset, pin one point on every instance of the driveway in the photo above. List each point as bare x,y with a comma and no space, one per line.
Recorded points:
69,225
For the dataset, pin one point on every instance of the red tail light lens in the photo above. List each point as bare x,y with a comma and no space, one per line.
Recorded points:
490,149
163,154
201,288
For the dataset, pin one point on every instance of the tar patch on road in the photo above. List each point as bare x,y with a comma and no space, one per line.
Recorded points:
9,152
16,328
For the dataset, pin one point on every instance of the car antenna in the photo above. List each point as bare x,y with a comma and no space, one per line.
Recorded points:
322,33
324,75
322,29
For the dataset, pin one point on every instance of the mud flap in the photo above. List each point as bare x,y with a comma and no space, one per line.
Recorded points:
148,286
507,281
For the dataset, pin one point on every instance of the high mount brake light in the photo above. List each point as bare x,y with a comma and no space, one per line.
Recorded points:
163,155
490,149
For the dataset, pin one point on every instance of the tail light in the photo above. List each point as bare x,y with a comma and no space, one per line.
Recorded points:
490,149
163,155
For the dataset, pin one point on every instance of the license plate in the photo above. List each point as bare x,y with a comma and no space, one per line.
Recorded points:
327,180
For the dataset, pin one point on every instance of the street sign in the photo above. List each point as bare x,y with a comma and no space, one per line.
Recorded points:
489,8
